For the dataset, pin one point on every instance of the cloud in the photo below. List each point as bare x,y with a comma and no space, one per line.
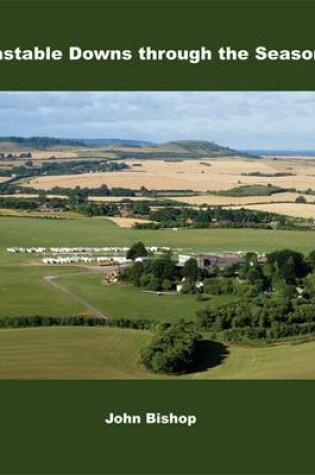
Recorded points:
238,119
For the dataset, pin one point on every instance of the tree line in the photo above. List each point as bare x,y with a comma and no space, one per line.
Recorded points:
171,217
69,167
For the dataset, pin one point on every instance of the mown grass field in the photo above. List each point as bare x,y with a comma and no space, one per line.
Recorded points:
98,232
117,301
108,353
23,291
104,353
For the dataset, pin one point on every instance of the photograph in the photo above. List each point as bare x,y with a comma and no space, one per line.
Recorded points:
148,235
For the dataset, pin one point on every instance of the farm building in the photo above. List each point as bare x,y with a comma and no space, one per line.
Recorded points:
208,260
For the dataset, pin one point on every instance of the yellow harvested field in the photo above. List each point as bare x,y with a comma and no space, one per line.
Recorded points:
290,157
242,200
127,222
9,212
44,155
199,175
296,210
164,175
3,179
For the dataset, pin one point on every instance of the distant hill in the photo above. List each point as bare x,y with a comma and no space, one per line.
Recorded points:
116,142
174,150
37,143
198,148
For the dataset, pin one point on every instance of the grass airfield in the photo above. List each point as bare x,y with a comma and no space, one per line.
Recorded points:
100,231
108,353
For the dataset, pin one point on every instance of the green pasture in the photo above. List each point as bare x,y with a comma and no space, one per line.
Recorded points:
23,291
101,232
120,301
111,353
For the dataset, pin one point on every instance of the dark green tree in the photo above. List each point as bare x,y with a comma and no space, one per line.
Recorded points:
137,250
191,270
174,349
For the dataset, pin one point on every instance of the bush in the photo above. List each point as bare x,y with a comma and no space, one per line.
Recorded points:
137,250
173,350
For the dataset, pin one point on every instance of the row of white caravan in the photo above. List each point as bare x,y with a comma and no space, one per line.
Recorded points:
26,250
78,250
86,260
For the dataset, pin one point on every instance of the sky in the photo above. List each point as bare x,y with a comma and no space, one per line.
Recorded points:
242,120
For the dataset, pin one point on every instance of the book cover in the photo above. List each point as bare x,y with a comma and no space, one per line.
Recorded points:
157,269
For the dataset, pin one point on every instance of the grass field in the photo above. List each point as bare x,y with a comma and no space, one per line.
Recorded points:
117,301
99,232
24,292
104,353
107,353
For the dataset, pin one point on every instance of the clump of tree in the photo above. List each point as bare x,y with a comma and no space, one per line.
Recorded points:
253,190
156,274
300,199
137,250
276,299
182,217
173,350
287,265
191,271
75,167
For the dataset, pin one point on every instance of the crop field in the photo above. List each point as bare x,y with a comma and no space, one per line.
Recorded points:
219,174
215,200
109,353
298,210
127,222
102,232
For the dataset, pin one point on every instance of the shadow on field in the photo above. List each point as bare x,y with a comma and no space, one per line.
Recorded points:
210,355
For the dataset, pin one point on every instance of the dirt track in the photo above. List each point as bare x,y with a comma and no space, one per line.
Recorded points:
51,280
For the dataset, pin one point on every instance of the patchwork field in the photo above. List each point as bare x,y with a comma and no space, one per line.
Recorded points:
215,200
201,175
299,210
44,155
107,353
